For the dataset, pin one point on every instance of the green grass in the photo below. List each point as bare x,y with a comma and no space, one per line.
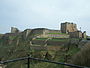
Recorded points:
12,37
58,39
57,33
40,38
12,51
53,39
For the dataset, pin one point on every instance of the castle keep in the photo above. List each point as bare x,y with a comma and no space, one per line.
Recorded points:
68,27
68,30
71,29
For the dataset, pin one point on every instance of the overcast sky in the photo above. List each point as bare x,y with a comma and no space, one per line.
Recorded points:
25,14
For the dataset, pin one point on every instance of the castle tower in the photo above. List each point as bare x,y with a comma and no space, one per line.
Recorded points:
14,30
68,27
84,34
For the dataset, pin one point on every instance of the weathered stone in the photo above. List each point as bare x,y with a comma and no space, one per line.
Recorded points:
68,27
14,30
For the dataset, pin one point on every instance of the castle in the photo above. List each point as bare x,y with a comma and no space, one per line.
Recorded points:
71,29
68,30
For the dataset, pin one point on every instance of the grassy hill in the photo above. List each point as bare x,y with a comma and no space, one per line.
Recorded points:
12,47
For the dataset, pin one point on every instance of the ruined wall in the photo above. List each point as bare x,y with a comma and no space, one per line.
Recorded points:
26,33
37,31
45,33
58,35
54,31
71,27
14,30
84,34
76,34
63,27
68,27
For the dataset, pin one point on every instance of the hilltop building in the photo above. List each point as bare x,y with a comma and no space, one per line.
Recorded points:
71,29
68,27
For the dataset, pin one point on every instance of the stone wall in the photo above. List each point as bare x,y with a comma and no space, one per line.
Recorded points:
76,34
84,34
55,48
58,35
71,29
54,31
68,27
44,33
14,30
38,31
26,33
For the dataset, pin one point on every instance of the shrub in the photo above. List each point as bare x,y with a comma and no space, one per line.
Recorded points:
83,56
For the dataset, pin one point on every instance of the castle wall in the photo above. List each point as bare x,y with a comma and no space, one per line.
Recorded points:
58,35
26,33
68,30
63,27
77,34
68,27
54,31
71,27
45,33
14,30
84,34
37,31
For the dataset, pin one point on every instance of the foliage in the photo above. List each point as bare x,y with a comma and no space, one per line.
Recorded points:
58,33
83,57
20,47
52,39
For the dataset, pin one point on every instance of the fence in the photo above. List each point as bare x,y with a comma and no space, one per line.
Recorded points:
28,60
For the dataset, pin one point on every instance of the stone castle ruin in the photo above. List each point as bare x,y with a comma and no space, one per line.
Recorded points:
68,27
71,29
14,30
68,30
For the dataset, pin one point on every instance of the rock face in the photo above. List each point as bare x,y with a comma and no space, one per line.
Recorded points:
14,30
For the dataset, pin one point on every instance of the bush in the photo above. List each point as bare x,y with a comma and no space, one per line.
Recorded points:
83,56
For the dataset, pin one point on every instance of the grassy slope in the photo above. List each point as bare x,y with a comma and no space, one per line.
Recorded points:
14,47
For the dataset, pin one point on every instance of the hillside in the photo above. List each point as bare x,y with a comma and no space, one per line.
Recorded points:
15,46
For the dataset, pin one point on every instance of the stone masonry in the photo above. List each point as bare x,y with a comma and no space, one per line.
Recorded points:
68,30
14,30
71,29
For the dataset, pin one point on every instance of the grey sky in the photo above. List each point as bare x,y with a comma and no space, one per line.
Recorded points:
25,14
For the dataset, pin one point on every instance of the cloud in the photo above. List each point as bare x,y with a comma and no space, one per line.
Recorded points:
43,13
